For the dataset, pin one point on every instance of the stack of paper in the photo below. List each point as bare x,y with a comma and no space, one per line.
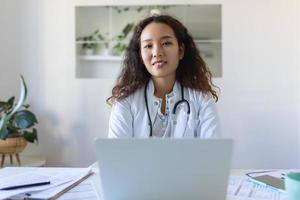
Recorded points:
84,190
240,187
61,180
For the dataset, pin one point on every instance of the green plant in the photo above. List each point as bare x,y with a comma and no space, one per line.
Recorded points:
138,9
91,41
120,46
15,119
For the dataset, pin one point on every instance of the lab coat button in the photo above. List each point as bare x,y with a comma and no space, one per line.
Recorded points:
155,103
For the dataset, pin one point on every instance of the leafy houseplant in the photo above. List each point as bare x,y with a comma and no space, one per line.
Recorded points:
90,42
120,46
16,120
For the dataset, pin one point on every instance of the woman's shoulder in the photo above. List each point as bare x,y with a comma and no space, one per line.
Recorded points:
131,99
199,96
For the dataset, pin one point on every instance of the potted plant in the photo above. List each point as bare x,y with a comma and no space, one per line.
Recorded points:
120,46
90,43
16,125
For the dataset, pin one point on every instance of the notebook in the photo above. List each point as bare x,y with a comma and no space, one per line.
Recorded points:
159,168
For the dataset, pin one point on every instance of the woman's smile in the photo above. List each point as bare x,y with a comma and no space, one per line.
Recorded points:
159,64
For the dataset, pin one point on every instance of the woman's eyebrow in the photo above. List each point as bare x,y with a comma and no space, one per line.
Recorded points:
163,37
167,37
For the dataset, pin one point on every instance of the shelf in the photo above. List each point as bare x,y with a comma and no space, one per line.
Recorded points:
126,42
111,20
91,42
208,41
100,58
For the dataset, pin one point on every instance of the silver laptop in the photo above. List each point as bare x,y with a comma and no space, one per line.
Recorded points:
164,169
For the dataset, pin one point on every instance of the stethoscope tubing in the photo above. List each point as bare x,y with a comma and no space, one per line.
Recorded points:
147,107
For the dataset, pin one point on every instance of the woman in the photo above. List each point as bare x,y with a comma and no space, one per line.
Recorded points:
165,87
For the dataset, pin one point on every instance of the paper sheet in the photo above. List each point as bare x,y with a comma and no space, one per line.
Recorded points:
240,187
60,178
84,190
74,174
28,177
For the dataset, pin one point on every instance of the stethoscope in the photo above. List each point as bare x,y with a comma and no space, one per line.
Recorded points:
182,101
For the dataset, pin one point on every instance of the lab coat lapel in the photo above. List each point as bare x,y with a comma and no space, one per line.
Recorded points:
180,123
151,101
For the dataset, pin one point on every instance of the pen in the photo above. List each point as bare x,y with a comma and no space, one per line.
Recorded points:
26,185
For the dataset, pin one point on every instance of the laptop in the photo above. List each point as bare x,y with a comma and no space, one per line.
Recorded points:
167,169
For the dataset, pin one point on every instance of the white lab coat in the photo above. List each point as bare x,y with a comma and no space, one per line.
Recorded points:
129,116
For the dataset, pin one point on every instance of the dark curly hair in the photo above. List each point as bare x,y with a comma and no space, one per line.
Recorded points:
191,72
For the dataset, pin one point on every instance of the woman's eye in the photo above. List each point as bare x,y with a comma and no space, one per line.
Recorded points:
166,43
147,46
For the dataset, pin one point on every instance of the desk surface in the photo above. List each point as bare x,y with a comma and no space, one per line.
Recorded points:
234,172
95,179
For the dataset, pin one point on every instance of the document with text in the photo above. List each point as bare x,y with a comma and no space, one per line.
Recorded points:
241,188
61,179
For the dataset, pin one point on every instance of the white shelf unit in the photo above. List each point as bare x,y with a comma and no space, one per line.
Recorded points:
208,41
203,21
101,58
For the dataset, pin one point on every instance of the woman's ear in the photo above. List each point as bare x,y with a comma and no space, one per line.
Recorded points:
181,51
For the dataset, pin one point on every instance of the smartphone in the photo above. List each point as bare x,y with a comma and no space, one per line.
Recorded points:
272,181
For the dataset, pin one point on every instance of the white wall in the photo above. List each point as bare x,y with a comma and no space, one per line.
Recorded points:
9,39
259,103
260,86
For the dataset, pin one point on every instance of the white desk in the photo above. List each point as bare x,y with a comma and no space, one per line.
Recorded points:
96,180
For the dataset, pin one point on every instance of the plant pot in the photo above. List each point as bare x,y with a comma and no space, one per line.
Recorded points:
105,52
88,52
13,145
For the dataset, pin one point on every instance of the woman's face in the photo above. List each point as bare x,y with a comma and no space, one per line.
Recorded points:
160,50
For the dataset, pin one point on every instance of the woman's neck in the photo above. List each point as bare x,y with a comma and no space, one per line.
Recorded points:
162,86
